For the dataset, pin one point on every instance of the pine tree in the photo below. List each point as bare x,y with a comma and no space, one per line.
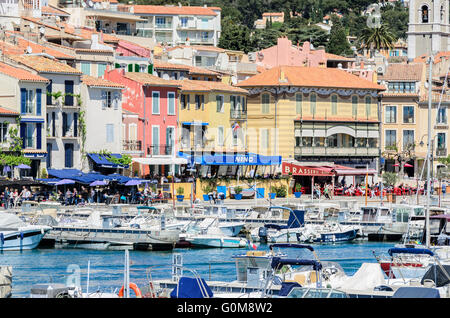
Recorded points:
338,43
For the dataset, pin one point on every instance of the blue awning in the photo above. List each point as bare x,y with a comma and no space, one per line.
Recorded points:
87,178
102,160
193,123
248,159
32,120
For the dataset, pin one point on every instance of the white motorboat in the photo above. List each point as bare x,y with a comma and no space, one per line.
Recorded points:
17,235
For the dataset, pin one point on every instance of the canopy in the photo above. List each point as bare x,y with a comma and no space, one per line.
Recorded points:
102,160
416,292
191,288
323,171
65,181
86,178
296,220
23,166
401,250
161,161
97,183
292,245
246,159
278,262
437,275
133,182
9,220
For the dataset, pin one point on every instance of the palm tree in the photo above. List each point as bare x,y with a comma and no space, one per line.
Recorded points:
377,38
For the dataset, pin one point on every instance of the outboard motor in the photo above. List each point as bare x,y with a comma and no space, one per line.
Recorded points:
262,233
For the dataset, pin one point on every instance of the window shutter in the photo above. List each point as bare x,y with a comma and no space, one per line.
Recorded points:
23,100
64,124
150,69
38,136
116,100
23,133
103,100
49,91
130,67
38,101
75,124
68,100
136,68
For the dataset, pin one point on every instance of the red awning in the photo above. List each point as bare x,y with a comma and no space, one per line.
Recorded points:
297,170
355,172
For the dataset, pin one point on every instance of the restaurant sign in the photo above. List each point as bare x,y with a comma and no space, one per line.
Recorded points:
296,170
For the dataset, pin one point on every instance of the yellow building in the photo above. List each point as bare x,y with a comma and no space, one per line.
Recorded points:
313,114
212,117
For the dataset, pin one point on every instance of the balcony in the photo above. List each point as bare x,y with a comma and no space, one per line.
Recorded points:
160,26
163,38
238,114
160,150
441,152
202,40
329,151
132,145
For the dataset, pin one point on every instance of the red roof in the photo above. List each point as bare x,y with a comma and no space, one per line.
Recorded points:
20,74
4,111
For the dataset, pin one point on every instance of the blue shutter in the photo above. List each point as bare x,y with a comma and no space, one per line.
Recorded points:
75,124
49,91
68,155
68,90
23,100
23,133
39,136
64,124
38,101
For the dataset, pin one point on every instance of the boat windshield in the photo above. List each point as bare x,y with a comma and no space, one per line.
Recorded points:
303,292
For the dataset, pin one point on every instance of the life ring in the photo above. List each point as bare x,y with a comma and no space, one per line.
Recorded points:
134,287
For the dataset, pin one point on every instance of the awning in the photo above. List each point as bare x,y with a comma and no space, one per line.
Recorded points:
161,161
32,120
102,160
355,172
113,16
298,170
85,178
248,159
194,123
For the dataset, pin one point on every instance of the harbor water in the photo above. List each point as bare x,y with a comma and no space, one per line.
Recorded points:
106,267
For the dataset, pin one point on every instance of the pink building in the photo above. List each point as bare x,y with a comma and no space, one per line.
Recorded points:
153,101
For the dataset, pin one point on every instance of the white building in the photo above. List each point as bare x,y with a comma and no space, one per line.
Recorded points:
103,117
63,103
23,92
428,28
12,10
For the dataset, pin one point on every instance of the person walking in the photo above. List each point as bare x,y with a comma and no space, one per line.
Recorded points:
7,195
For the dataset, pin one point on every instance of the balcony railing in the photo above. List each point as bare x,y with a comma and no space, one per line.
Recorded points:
237,114
441,152
132,145
330,151
160,150
163,25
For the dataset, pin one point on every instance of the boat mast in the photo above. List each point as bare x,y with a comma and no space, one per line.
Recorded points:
427,221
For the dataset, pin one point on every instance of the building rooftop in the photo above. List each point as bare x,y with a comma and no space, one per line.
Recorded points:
174,10
308,77
99,82
149,79
43,64
403,72
8,112
208,86
20,74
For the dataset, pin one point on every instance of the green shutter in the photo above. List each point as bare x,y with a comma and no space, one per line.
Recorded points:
116,65
150,69
136,68
130,67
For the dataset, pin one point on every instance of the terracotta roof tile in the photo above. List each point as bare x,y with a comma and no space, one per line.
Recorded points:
99,82
403,72
308,77
45,65
50,10
206,86
20,74
38,48
5,111
149,79
174,10
191,69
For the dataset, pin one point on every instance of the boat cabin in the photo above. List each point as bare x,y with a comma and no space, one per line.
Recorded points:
376,214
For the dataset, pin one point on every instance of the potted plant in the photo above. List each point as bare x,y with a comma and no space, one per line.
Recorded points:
281,191
180,192
206,189
298,190
237,193
273,192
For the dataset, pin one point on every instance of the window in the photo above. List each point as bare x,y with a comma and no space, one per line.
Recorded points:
424,10
3,132
442,115
29,136
160,21
408,139
390,138
198,60
184,21
334,99
109,133
49,91
368,105
205,22
184,101
132,132
68,99
155,140
101,68
107,99
219,102
205,36
29,109
408,114
86,68
265,103
68,155
155,103
171,103
233,103
390,115
264,139
441,141
354,106
220,136
312,104
298,103
199,101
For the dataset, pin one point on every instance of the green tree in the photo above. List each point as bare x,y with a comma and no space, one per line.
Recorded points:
234,36
338,43
377,38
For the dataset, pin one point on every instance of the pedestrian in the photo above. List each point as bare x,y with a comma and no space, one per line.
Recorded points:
6,196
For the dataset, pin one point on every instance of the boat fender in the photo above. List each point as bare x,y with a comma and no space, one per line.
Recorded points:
134,287
2,238
21,236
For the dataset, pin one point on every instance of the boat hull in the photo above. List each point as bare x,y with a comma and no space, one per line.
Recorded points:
18,241
335,237
213,242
